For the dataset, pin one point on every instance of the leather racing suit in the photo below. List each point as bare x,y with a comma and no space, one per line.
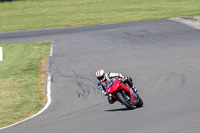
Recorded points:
110,75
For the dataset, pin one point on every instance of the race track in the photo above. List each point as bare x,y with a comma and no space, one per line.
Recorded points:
162,57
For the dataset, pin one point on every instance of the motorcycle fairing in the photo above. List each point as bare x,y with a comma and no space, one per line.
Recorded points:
129,90
114,85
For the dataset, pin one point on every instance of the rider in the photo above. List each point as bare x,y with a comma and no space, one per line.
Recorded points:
103,77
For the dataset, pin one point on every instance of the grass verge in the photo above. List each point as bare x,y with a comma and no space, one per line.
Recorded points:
35,14
22,78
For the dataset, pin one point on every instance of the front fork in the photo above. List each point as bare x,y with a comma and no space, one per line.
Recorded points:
127,97
130,97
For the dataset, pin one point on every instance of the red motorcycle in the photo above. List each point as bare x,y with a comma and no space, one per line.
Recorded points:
123,93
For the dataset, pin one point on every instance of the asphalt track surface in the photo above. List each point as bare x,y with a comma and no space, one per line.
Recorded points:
162,57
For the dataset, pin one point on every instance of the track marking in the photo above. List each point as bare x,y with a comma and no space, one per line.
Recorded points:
1,54
193,22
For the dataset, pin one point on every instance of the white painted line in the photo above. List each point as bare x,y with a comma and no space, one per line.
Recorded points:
1,54
48,98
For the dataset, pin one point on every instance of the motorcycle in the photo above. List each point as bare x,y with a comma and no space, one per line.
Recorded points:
123,93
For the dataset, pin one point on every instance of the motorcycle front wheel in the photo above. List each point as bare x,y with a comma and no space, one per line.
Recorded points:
125,102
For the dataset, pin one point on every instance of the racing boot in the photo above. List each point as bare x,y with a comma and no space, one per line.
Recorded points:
111,99
130,83
134,88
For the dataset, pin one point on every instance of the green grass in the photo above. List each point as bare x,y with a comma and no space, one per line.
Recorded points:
22,77
34,14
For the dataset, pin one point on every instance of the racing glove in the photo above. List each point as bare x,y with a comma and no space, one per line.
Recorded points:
102,90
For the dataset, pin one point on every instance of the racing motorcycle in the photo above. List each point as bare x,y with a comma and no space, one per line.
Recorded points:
123,93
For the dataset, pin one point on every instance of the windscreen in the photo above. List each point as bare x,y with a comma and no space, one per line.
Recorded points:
111,82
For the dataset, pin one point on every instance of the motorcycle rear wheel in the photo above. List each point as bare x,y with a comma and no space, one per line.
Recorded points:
123,101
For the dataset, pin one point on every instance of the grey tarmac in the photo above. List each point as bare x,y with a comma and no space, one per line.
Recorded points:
162,57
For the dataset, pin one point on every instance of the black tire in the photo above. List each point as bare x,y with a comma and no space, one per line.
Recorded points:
140,103
123,101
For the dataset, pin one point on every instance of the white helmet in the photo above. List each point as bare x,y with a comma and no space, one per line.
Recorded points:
100,74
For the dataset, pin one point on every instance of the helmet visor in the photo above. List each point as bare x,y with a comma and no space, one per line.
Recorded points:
101,77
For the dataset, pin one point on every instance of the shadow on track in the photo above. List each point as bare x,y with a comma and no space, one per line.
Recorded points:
122,109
